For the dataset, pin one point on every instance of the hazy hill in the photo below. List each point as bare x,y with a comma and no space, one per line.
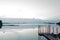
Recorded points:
27,21
22,21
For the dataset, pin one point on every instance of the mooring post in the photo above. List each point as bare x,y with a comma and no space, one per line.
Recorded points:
0,23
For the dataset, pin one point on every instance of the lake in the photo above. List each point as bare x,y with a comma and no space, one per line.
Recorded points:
22,32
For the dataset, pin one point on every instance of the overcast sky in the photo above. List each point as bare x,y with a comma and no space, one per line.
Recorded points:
42,9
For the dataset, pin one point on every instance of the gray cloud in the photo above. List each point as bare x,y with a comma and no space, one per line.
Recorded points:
44,8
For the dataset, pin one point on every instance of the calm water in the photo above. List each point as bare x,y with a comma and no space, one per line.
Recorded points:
21,33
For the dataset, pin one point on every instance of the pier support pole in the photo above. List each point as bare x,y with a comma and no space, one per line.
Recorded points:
0,24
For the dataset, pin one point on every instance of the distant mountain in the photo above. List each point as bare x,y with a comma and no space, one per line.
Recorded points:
52,21
22,21
27,21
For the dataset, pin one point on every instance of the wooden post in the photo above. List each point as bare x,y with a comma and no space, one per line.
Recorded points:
0,24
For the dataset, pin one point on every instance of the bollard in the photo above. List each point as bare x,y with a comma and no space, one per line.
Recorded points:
0,24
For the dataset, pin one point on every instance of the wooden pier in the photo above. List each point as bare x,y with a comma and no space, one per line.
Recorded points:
49,32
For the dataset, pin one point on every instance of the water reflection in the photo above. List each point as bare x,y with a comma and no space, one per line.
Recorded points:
19,34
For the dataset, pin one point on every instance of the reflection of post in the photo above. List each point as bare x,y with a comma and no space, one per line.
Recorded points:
53,29
39,29
56,30
48,28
